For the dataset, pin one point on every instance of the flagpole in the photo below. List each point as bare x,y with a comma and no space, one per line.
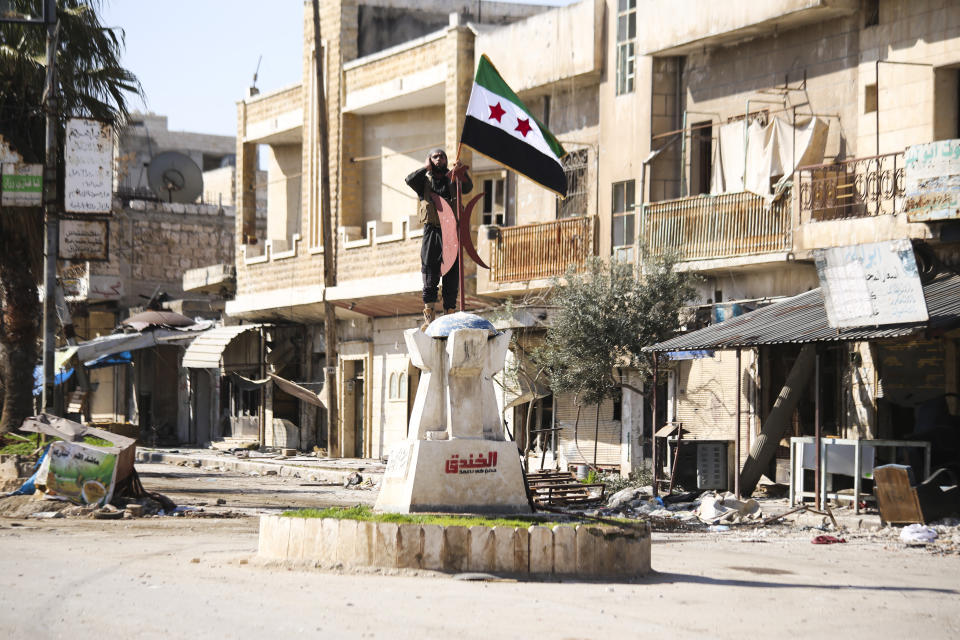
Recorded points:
459,239
456,177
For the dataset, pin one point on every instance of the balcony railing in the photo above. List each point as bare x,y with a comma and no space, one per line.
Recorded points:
723,226
544,250
857,188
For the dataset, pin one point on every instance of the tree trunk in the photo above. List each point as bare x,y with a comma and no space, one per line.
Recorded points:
20,312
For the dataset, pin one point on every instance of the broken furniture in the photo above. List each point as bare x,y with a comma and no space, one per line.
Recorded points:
901,501
841,456
561,489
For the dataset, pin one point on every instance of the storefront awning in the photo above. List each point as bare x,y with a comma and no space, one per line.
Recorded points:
803,319
207,350
300,392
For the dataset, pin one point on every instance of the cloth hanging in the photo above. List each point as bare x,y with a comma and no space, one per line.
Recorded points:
772,152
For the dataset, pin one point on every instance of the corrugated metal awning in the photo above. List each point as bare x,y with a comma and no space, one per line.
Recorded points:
206,351
803,318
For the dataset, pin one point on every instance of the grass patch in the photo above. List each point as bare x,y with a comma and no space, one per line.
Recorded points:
366,514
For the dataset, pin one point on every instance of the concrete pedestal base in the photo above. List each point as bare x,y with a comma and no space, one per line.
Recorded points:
453,476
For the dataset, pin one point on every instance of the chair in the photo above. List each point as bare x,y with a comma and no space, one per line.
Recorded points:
902,501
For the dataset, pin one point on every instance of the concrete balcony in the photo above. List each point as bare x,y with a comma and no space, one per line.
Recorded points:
699,24
528,256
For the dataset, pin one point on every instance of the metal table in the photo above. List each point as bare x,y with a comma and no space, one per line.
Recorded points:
832,445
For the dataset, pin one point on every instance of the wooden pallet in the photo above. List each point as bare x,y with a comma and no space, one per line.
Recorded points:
561,489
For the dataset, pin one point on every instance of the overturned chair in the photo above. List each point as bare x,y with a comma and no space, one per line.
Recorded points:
902,501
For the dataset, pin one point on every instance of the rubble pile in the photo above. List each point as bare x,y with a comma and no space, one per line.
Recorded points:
692,509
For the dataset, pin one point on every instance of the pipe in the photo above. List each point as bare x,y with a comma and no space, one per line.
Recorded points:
736,443
817,433
653,428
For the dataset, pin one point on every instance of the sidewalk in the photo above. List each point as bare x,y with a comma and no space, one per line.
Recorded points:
267,464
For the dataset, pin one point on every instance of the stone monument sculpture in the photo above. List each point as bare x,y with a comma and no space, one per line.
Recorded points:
455,457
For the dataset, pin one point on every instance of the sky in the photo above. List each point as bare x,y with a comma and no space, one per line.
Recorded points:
196,58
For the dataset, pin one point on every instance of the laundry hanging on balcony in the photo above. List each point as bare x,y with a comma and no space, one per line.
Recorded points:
767,154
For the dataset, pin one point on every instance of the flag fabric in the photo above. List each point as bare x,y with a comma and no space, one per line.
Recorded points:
499,126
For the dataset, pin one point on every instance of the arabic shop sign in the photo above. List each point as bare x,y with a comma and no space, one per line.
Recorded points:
479,464
79,473
871,284
22,185
932,181
84,239
88,184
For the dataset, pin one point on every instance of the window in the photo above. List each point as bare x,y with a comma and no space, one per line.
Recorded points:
870,98
493,202
626,47
575,165
398,386
623,216
871,13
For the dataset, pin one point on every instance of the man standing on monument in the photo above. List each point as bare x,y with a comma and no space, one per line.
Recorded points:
434,178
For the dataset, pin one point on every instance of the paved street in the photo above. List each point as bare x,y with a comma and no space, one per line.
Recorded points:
199,578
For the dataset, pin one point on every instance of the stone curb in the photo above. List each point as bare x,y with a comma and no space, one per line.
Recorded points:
316,474
582,551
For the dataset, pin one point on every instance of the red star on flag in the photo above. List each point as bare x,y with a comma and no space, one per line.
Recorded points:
496,112
523,126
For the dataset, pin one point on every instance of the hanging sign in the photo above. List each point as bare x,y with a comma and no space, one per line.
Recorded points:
871,284
88,153
84,239
22,185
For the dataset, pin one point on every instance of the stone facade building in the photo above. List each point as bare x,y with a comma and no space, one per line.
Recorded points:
722,131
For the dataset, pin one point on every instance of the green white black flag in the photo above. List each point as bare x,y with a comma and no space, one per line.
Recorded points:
499,126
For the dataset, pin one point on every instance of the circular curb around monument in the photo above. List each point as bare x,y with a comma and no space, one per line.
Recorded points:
576,551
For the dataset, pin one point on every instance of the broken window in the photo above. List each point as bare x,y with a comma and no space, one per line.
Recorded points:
626,45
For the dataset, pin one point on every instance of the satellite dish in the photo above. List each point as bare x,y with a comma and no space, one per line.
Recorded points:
174,177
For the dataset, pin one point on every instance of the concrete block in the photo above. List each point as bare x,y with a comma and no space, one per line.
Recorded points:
385,544
456,548
432,547
364,544
409,546
274,537
610,545
481,549
295,544
541,549
564,550
312,539
588,539
346,537
511,550
636,557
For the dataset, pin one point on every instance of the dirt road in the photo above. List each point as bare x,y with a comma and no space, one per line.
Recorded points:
198,578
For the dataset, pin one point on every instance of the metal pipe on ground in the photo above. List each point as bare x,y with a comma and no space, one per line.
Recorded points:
765,446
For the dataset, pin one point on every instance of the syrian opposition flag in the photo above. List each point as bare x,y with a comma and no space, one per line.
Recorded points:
500,126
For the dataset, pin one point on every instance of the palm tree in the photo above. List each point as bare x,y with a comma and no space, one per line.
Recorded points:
91,83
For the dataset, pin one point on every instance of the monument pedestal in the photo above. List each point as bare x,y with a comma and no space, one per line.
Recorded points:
454,476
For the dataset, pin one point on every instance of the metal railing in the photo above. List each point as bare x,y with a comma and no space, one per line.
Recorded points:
544,250
856,188
722,226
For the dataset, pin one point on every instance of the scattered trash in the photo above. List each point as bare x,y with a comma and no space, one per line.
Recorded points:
718,528
221,501
827,540
917,533
353,480
46,514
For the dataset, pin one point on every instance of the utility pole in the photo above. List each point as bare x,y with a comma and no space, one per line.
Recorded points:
51,219
326,231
